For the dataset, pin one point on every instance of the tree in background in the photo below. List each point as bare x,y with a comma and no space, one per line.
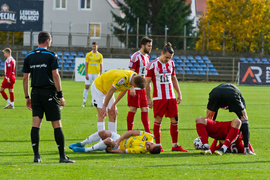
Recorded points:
157,14
244,25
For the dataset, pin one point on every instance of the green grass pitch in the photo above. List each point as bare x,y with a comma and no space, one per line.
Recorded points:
16,156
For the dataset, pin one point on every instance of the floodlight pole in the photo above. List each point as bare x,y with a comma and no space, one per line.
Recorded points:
137,41
166,29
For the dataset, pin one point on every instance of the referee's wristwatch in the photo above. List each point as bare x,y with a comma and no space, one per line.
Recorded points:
27,97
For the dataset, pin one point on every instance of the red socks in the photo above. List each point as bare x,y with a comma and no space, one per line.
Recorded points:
231,136
145,121
4,95
130,120
174,132
12,98
157,132
202,132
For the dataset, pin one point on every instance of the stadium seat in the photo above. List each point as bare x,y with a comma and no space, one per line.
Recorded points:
199,68
59,53
72,65
70,69
2,64
242,59
176,57
187,68
213,69
257,59
200,61
69,61
245,61
190,57
210,65
73,53
183,57
196,65
205,57
66,65
252,61
203,65
198,57
193,68
202,73
193,61
196,72
181,64
66,53
215,73
2,68
65,57
266,62
264,59
188,72
81,54
179,68
65,69
205,68
178,60
186,61
249,59
189,64
153,56
24,52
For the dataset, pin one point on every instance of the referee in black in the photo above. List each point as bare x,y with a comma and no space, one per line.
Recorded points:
46,95
228,96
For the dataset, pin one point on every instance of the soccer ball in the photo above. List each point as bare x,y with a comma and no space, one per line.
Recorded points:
197,143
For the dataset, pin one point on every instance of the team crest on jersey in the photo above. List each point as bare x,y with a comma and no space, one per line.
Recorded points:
97,55
120,82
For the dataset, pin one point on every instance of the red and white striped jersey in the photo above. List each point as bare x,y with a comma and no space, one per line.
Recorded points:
161,74
10,68
138,61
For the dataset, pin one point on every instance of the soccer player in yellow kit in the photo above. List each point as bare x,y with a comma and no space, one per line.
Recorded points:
103,88
132,141
93,68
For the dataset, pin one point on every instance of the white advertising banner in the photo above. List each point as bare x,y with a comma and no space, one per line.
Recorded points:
108,64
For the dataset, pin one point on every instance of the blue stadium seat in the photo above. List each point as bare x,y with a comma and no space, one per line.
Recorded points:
205,57
65,57
181,64
196,65
187,68
266,62
69,61
183,57
202,73
210,65
66,65
200,61
264,59
186,61
24,52
249,58
153,56
204,68
2,68
199,68
196,72
59,53
82,54
215,73
189,64
178,60
193,61
176,57
198,57
2,63
212,69
188,72
252,61
73,53
70,69
203,65
257,59
179,68
193,68
245,61
66,53
190,57
60,64
65,69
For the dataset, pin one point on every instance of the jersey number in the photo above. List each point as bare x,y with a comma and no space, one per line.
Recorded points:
164,79
143,71
233,148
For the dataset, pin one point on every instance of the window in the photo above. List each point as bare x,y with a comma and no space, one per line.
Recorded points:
95,30
60,4
85,4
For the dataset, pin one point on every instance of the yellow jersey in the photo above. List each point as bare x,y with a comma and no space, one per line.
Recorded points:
94,60
136,144
118,78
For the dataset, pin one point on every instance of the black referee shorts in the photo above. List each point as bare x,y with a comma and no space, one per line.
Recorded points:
45,101
226,95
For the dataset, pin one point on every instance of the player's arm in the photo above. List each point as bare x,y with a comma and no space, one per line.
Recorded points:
86,69
57,83
109,95
116,151
177,88
26,90
126,135
132,91
148,90
209,114
100,68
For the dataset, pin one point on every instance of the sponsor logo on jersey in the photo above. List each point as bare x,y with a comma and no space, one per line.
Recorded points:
121,81
144,137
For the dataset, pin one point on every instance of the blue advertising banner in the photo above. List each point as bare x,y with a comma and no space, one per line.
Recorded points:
254,74
21,15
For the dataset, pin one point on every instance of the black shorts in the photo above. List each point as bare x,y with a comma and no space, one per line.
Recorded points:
45,101
226,95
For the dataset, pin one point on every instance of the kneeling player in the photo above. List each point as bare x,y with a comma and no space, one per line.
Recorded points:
130,142
236,147
227,131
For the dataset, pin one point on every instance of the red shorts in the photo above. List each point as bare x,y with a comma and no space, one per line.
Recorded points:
167,107
7,85
139,100
218,129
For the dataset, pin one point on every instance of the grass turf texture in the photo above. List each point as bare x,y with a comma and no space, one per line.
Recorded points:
16,156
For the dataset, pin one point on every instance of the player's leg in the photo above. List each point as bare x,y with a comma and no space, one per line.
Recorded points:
112,123
2,91
130,117
36,124
144,110
86,89
12,97
157,132
201,123
232,134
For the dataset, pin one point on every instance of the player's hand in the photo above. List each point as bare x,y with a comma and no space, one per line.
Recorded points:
117,142
150,103
28,104
132,92
8,80
86,77
103,112
179,99
62,102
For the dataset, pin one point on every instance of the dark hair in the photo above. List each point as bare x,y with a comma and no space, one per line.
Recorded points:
94,43
168,48
145,40
8,50
156,150
43,36
139,81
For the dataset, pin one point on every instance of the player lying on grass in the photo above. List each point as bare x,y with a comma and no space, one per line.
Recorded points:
130,142
219,130
236,147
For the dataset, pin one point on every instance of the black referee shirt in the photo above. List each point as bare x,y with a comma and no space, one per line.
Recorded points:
40,64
